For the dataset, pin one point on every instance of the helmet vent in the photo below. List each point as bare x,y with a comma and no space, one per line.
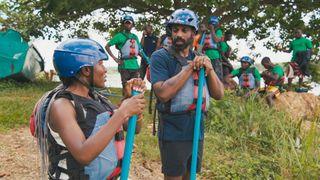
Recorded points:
190,19
101,50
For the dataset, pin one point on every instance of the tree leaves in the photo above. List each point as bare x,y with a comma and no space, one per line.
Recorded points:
38,17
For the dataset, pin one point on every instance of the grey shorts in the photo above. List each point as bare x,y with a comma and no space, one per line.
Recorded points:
176,157
127,74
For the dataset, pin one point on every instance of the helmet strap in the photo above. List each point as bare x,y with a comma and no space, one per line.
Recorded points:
91,78
89,85
92,89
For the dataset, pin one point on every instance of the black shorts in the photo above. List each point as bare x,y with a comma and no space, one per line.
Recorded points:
217,66
127,74
143,68
176,157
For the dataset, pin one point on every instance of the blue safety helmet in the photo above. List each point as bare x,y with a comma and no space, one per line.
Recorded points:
127,18
247,59
183,16
214,20
71,55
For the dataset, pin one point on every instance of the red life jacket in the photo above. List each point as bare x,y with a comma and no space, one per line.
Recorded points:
130,48
246,79
120,145
209,43
195,75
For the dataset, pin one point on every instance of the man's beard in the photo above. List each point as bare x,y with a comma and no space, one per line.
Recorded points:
179,47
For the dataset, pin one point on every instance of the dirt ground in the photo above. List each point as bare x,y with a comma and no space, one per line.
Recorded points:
304,106
19,159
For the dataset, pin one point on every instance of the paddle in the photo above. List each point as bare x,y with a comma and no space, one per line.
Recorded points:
196,130
129,144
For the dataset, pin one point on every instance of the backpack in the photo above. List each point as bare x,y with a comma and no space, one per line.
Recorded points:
39,118
40,111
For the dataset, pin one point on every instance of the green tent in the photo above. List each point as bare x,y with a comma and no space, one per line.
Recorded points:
18,60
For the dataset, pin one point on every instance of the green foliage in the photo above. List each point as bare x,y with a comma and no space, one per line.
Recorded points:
315,71
248,140
36,18
310,153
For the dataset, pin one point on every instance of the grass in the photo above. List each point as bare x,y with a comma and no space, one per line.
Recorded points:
17,101
315,71
243,140
253,141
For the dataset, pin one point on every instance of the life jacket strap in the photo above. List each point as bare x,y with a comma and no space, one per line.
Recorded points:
193,106
119,136
132,48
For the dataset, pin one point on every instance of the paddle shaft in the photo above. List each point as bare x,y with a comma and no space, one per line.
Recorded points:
129,144
196,130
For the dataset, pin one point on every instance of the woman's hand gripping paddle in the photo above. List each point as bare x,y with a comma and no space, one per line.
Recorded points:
129,143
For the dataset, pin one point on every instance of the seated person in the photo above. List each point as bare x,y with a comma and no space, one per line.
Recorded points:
249,77
273,78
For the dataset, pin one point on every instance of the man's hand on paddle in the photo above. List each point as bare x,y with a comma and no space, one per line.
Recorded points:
201,61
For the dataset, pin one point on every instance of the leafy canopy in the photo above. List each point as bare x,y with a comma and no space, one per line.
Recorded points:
47,18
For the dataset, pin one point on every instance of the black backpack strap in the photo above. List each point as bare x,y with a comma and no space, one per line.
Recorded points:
154,129
79,112
105,101
181,61
162,38
80,115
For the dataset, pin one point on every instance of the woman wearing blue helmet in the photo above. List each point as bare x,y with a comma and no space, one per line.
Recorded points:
78,130
249,77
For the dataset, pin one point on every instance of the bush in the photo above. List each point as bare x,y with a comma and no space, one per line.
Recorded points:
248,140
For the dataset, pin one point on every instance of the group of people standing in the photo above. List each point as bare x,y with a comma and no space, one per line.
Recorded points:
81,132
